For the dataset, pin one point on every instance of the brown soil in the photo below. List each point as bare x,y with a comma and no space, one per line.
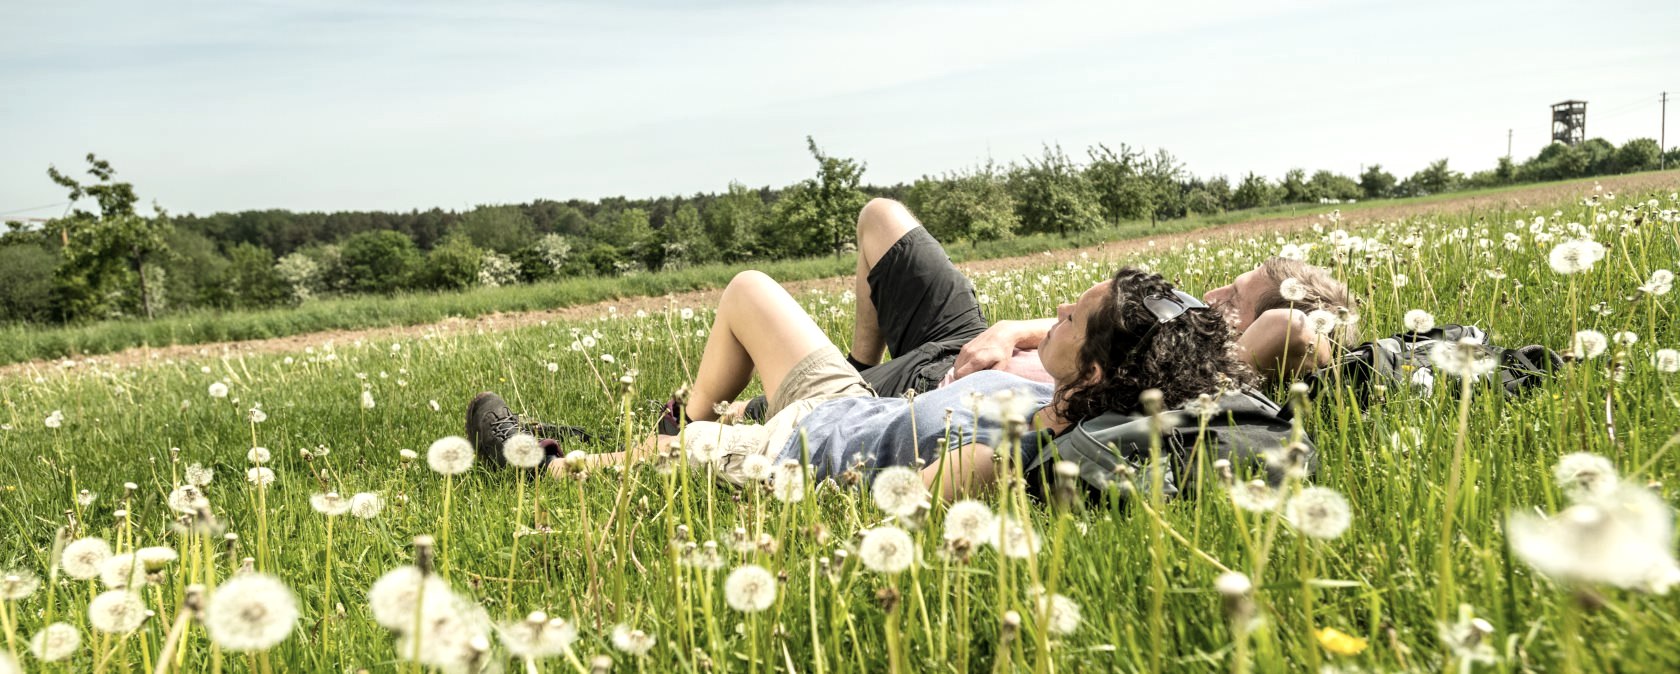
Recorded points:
1514,199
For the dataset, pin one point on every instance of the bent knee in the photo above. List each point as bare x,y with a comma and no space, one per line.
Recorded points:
880,224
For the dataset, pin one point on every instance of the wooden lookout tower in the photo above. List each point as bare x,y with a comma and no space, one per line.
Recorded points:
1569,122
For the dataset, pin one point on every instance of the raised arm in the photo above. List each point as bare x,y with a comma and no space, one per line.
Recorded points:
1280,342
993,347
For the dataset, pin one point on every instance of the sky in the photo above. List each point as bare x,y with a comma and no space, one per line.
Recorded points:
413,104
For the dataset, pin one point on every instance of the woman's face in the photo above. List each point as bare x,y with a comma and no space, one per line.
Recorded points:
1060,350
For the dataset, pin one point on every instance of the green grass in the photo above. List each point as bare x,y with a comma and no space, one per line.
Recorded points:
1148,600
19,343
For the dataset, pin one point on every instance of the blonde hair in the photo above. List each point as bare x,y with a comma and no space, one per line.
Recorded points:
1323,291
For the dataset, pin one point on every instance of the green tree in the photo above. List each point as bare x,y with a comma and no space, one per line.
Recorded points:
1295,188
451,265
106,248
1122,191
26,289
835,196
685,240
200,272
503,229
1435,178
378,262
1254,192
973,205
1639,154
733,222
1053,195
1161,175
1331,185
252,278
1376,183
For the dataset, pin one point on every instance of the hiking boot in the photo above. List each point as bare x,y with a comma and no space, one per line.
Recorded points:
489,424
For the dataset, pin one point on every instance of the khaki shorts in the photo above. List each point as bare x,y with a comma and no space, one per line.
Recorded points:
821,376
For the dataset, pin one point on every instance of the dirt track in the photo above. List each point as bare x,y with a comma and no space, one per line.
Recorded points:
1519,198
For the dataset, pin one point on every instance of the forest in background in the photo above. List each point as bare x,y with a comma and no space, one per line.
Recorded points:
110,262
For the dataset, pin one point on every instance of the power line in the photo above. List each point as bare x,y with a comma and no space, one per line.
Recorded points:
36,208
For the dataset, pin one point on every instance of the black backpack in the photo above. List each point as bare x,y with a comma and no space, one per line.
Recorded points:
1403,360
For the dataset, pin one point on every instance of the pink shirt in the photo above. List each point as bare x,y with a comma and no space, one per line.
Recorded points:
1024,364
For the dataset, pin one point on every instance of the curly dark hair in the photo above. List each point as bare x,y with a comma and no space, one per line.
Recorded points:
1186,357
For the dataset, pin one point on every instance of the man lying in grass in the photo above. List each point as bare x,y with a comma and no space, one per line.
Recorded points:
1122,337
913,303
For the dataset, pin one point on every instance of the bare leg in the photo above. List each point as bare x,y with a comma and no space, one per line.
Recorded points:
881,223
759,326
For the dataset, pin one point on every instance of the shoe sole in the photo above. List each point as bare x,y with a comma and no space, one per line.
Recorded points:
473,409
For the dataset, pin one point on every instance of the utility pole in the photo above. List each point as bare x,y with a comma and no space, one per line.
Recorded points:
1508,144
1662,145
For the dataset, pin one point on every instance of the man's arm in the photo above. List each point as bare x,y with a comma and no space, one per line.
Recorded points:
993,347
961,472
1280,342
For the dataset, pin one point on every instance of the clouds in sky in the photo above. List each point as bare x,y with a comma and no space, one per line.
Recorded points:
397,105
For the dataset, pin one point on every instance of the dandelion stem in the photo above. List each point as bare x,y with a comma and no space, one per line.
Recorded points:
1444,599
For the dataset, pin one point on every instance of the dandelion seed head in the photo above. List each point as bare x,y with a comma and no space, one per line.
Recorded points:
329,504
197,475
756,467
1666,361
750,588
1321,322
259,455
1255,496
250,612
156,557
54,420
116,612
1661,281
632,641
538,636
450,455
1017,539
392,598
1233,584
887,549
1588,344
187,500
55,642
256,415
522,451
1318,512
218,390
1465,359
261,476
1063,613
1582,475
122,572
899,490
1418,320
367,399
970,522
83,557
1575,256
787,483
1623,538
366,505
1292,290
18,584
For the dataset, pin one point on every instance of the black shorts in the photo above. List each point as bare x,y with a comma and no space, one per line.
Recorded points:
927,311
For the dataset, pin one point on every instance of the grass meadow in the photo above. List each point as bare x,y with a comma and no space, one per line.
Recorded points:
1467,549
22,343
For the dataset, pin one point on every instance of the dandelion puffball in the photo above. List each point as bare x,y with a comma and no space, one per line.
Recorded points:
259,455
1624,538
750,588
538,636
55,642
971,522
366,505
787,483
1319,512
392,598
15,585
522,451
1418,320
1666,361
218,390
329,504
1064,614
121,572
1017,539
1582,475
1588,344
1574,257
887,549
198,475
632,641
250,612
899,490
1292,290
367,399
261,476
116,612
83,557
450,455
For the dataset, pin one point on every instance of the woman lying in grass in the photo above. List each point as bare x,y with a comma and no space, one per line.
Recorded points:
1120,338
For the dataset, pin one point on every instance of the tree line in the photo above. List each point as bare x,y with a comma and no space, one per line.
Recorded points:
111,262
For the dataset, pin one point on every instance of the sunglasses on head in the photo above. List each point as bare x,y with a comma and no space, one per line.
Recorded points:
1168,307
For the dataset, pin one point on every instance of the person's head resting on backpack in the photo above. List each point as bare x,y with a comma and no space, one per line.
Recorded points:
1133,333
1273,328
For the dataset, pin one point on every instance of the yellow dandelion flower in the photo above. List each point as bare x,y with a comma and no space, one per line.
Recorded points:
1339,642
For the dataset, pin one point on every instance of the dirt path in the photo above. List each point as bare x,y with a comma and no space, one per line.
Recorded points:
1516,199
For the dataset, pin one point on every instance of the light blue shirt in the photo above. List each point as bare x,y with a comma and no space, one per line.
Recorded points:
875,433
